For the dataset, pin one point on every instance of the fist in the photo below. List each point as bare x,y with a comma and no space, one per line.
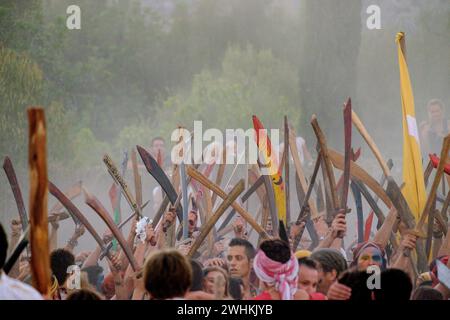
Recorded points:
339,225
339,291
107,236
114,263
409,241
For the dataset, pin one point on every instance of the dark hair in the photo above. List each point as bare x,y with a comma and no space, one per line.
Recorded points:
426,293
158,138
276,249
167,274
249,249
83,294
234,287
357,281
197,275
307,262
60,260
396,285
93,274
3,246
330,259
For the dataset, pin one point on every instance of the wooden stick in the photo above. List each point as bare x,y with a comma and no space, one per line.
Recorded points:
137,178
195,174
357,172
37,161
300,173
211,222
327,163
98,208
437,179
220,174
286,171
427,211
373,147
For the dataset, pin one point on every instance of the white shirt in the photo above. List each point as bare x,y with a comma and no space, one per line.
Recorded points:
12,289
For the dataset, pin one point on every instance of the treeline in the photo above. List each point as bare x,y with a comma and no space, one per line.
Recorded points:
132,73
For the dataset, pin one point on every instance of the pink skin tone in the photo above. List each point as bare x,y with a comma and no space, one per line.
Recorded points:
308,279
209,281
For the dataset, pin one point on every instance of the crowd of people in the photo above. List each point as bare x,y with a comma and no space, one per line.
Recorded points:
236,268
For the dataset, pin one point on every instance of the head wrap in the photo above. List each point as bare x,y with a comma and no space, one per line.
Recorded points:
433,268
364,245
282,275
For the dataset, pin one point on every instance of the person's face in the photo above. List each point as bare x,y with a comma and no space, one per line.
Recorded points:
158,145
369,257
210,280
326,279
238,263
308,279
435,112
192,219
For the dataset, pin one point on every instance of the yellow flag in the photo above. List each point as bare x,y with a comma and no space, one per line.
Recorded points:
414,189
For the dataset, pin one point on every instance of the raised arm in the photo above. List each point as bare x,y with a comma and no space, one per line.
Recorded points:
331,239
383,234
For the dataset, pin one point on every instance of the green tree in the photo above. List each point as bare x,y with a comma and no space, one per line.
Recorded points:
250,82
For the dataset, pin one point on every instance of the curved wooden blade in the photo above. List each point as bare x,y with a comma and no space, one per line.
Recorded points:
229,199
300,173
405,214
95,204
373,147
304,205
155,170
428,212
37,162
348,151
326,159
195,174
71,194
17,251
70,207
137,179
286,171
244,198
220,174
115,174
357,172
14,183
